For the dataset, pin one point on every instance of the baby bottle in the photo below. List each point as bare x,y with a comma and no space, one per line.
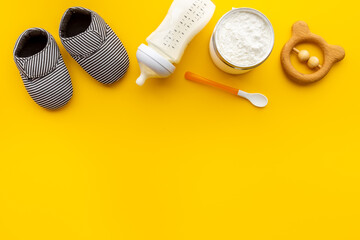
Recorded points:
167,43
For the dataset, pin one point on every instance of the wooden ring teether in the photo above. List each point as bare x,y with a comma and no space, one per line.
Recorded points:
301,34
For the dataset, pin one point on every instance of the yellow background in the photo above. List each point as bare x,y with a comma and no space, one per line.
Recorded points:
177,160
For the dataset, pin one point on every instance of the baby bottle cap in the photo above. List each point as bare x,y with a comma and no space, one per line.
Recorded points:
152,64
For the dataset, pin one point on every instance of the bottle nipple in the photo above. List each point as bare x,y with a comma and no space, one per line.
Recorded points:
142,79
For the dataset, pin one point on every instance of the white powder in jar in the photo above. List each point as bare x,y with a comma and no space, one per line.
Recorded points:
244,38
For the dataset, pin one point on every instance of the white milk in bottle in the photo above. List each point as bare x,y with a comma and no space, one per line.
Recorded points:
167,43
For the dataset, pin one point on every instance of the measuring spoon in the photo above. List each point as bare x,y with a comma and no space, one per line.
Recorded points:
256,99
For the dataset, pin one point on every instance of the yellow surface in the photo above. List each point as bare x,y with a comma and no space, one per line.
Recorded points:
177,160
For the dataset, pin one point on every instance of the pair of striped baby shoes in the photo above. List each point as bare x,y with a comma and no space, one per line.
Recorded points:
87,38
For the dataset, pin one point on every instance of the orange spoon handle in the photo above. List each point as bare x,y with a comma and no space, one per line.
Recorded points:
199,79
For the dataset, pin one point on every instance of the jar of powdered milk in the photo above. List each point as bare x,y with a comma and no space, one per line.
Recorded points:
242,40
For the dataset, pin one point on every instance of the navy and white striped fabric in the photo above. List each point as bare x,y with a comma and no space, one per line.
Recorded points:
97,49
44,73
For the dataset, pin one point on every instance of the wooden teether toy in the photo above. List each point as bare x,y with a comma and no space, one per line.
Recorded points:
301,34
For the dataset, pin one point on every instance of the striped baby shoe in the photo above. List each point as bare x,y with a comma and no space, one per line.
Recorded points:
93,44
42,68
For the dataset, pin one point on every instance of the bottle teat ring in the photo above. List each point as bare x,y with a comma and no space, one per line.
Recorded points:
301,34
